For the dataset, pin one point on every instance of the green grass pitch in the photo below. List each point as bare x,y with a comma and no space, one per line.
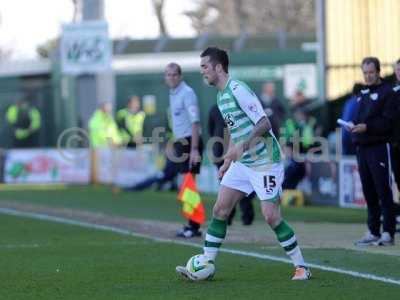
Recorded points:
45,260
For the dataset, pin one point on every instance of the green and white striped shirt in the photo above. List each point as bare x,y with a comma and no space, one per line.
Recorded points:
241,110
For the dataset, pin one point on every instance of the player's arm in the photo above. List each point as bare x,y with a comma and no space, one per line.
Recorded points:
251,106
192,108
259,130
195,137
227,161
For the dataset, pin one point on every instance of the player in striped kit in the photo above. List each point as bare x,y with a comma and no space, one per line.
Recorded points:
252,163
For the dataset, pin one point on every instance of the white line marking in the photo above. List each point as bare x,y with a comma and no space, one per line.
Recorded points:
164,240
15,246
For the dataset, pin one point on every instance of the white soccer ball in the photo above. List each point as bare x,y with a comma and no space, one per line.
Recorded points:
200,267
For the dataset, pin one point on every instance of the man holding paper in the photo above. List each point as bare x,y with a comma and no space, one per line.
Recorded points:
371,133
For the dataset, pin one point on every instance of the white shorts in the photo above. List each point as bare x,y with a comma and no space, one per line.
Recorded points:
267,184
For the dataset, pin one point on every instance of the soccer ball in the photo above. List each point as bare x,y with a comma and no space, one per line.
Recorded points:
200,267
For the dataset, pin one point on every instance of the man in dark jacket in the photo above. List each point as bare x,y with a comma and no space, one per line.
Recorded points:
372,132
272,107
396,137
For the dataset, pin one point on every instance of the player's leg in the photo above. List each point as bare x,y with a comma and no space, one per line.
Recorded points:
268,186
216,232
286,237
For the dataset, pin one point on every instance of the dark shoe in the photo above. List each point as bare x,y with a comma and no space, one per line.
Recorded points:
187,232
247,222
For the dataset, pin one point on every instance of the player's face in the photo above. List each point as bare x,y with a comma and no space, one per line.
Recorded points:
371,75
208,71
397,71
172,77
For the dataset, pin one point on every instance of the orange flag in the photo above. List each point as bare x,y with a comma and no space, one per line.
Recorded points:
192,207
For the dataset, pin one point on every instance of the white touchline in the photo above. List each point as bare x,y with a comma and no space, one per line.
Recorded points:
44,217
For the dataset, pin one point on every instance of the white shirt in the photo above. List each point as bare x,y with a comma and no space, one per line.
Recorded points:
184,110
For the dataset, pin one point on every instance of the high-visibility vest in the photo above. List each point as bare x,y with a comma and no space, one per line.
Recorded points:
103,130
131,124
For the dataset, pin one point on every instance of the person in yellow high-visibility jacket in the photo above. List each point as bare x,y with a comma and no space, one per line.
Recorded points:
130,122
25,121
103,130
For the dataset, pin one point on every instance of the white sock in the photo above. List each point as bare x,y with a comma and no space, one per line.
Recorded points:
296,257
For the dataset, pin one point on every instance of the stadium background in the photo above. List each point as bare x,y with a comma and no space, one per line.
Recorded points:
349,30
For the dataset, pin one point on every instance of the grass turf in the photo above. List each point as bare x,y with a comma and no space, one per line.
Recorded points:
42,260
162,205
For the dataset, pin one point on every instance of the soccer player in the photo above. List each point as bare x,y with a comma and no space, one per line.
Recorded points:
252,162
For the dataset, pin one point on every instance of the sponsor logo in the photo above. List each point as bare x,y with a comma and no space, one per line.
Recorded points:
374,96
252,107
229,120
366,91
193,111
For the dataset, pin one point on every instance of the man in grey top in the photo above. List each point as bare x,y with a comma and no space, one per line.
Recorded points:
186,129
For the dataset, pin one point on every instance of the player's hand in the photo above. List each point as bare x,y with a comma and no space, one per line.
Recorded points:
194,157
223,168
359,128
234,153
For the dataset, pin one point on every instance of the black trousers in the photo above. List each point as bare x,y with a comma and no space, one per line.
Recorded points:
395,154
182,149
396,171
374,165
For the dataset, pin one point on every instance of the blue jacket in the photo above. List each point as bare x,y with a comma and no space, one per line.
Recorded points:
348,114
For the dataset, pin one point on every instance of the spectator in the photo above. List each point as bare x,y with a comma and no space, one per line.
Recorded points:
304,127
130,123
25,120
299,100
103,130
348,114
272,107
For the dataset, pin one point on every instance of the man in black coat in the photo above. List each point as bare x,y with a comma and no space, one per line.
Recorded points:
371,133
396,137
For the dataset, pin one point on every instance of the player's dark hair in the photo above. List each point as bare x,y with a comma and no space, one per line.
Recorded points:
217,56
372,60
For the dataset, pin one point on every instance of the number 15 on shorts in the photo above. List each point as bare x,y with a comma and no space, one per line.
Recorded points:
269,183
